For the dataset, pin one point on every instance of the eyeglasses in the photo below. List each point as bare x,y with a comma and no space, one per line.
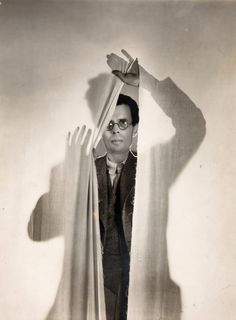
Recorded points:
122,124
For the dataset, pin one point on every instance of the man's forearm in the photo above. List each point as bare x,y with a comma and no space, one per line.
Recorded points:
174,102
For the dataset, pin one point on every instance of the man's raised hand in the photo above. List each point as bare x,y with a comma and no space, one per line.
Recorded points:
120,66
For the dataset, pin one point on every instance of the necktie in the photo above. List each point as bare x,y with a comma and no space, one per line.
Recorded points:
117,175
114,171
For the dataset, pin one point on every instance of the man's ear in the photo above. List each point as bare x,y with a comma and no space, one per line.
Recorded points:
135,130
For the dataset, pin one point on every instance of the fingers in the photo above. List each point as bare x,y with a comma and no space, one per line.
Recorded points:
80,135
74,136
86,140
113,59
115,62
131,79
113,56
127,55
68,138
117,58
77,136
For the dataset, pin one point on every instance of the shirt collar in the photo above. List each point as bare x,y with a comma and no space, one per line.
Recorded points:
113,166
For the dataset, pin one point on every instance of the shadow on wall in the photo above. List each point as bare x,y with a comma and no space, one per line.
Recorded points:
56,213
49,220
163,163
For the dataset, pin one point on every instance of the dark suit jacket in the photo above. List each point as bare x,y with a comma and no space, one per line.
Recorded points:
127,189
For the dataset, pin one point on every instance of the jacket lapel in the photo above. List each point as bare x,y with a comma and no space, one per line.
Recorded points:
127,183
127,179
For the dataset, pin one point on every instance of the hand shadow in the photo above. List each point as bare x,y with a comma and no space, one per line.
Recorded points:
55,213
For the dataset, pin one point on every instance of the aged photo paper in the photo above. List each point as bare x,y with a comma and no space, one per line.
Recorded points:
55,78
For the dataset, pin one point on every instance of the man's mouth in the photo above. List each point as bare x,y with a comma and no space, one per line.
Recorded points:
116,141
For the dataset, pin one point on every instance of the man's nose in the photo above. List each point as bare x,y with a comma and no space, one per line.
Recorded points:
115,128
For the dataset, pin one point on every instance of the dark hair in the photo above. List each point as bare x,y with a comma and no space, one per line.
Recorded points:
131,103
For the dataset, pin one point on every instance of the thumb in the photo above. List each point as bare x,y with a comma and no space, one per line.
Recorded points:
120,75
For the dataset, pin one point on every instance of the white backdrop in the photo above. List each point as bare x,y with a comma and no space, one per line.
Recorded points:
49,51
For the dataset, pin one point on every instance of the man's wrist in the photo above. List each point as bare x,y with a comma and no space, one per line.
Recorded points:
146,80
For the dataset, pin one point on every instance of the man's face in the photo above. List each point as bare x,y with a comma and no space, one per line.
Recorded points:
118,141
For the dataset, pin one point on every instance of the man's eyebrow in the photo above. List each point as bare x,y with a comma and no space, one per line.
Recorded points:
119,119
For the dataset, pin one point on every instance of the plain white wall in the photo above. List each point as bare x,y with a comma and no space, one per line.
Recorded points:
49,51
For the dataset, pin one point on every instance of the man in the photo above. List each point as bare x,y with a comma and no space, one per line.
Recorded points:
116,203
116,181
